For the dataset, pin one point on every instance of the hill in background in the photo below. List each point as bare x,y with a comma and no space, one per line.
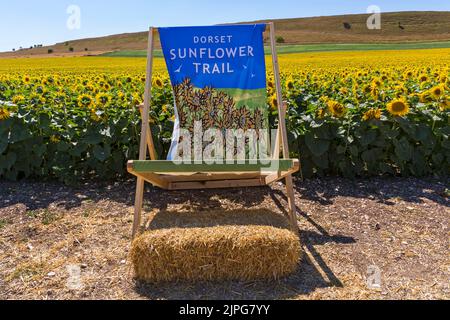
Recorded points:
397,27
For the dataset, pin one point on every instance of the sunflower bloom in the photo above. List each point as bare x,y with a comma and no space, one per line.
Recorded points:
423,78
85,101
290,84
375,93
336,109
158,83
445,104
425,97
398,107
54,139
372,114
437,91
321,113
102,99
18,99
377,83
324,99
4,114
274,103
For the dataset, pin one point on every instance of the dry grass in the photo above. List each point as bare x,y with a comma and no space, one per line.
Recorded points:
397,27
216,246
400,225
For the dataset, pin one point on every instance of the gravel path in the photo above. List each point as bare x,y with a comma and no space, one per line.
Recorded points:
391,232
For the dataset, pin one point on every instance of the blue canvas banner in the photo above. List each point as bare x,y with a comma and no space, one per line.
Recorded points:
218,76
218,56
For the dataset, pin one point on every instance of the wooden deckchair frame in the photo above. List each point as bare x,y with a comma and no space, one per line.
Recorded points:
200,177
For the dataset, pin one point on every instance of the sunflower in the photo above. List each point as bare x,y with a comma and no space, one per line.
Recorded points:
425,97
259,119
243,118
96,116
367,89
18,99
26,79
137,99
375,93
376,83
273,102
4,114
344,91
372,114
423,78
121,96
437,91
85,100
158,83
398,107
324,99
408,74
102,99
60,98
445,104
54,139
290,84
321,113
336,109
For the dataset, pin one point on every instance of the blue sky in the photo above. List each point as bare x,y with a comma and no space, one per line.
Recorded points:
24,23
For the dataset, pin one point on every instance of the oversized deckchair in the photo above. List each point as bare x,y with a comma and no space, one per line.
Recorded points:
170,175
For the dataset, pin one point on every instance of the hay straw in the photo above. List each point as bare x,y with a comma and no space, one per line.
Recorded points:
216,246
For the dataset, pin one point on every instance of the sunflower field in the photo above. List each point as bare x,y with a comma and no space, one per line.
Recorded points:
350,114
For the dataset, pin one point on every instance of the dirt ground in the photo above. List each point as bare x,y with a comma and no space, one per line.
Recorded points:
350,231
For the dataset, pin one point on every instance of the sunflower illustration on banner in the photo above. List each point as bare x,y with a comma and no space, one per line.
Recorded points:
218,76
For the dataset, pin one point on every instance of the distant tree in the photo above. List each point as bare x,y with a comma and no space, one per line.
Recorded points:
14,49
66,43
280,39
86,49
71,49
50,51
347,26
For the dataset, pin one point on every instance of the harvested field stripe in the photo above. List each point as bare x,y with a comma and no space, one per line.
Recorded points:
306,48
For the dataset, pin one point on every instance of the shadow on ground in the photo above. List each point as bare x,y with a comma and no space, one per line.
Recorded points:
381,189
38,195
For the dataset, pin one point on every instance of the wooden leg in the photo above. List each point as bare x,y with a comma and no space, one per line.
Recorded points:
145,135
139,201
292,206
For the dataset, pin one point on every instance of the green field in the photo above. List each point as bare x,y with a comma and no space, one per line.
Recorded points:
251,98
284,49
